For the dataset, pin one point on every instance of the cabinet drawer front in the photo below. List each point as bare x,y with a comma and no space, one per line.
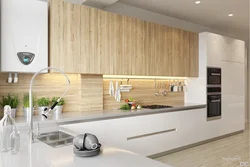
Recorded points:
136,126
126,131
153,144
150,134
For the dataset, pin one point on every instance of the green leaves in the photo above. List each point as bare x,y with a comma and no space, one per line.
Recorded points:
125,107
60,103
26,101
11,100
43,102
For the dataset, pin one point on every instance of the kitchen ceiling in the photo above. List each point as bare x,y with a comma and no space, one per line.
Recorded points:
210,13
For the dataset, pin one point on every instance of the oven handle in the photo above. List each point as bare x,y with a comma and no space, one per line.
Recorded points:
214,93
213,101
215,74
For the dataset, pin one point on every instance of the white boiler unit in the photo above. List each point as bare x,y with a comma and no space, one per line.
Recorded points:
24,35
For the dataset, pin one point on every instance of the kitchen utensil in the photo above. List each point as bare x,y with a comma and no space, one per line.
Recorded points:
160,88
119,95
156,92
164,93
117,92
111,89
86,142
86,145
126,88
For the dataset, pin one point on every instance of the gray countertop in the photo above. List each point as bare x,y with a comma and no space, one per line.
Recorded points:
77,117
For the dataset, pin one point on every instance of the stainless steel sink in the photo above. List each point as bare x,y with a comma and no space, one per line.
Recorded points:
56,139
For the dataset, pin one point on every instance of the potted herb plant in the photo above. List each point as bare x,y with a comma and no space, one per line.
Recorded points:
59,107
26,104
12,101
42,104
1,114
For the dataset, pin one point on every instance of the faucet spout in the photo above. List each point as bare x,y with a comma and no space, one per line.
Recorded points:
30,116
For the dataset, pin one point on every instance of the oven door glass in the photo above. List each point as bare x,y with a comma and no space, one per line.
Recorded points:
213,80
214,106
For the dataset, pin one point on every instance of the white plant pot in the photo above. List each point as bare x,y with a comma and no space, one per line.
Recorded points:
13,113
26,112
58,110
41,109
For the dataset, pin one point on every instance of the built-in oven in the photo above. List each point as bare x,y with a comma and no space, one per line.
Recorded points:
213,106
213,76
213,102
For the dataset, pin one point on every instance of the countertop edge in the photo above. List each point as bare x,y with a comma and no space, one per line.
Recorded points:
129,114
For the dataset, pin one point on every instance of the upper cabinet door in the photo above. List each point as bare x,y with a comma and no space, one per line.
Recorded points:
234,50
163,48
221,48
193,63
177,56
92,41
111,40
184,55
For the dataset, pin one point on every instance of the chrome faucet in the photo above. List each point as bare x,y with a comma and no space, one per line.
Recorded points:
47,111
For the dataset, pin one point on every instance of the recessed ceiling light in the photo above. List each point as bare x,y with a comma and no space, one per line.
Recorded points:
230,15
197,2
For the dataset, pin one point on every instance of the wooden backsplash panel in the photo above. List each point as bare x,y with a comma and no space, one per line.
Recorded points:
143,91
91,93
87,93
82,95
45,85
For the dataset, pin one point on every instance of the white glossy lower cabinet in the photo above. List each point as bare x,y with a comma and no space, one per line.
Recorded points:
145,135
192,126
156,133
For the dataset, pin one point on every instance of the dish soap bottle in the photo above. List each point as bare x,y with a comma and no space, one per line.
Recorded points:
6,126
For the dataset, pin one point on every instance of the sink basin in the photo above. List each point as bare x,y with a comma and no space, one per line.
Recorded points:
56,139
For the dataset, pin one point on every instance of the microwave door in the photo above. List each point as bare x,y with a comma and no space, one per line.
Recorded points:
213,76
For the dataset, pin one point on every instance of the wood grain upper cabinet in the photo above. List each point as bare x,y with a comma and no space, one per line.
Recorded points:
92,41
193,62
184,57
177,56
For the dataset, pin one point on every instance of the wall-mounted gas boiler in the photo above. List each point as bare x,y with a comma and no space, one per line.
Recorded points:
24,35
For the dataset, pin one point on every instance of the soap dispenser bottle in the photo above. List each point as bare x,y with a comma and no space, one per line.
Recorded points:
6,126
15,141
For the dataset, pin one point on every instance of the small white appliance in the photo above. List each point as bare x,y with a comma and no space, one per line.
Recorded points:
24,35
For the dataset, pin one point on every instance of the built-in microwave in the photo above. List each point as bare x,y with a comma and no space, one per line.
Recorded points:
213,76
